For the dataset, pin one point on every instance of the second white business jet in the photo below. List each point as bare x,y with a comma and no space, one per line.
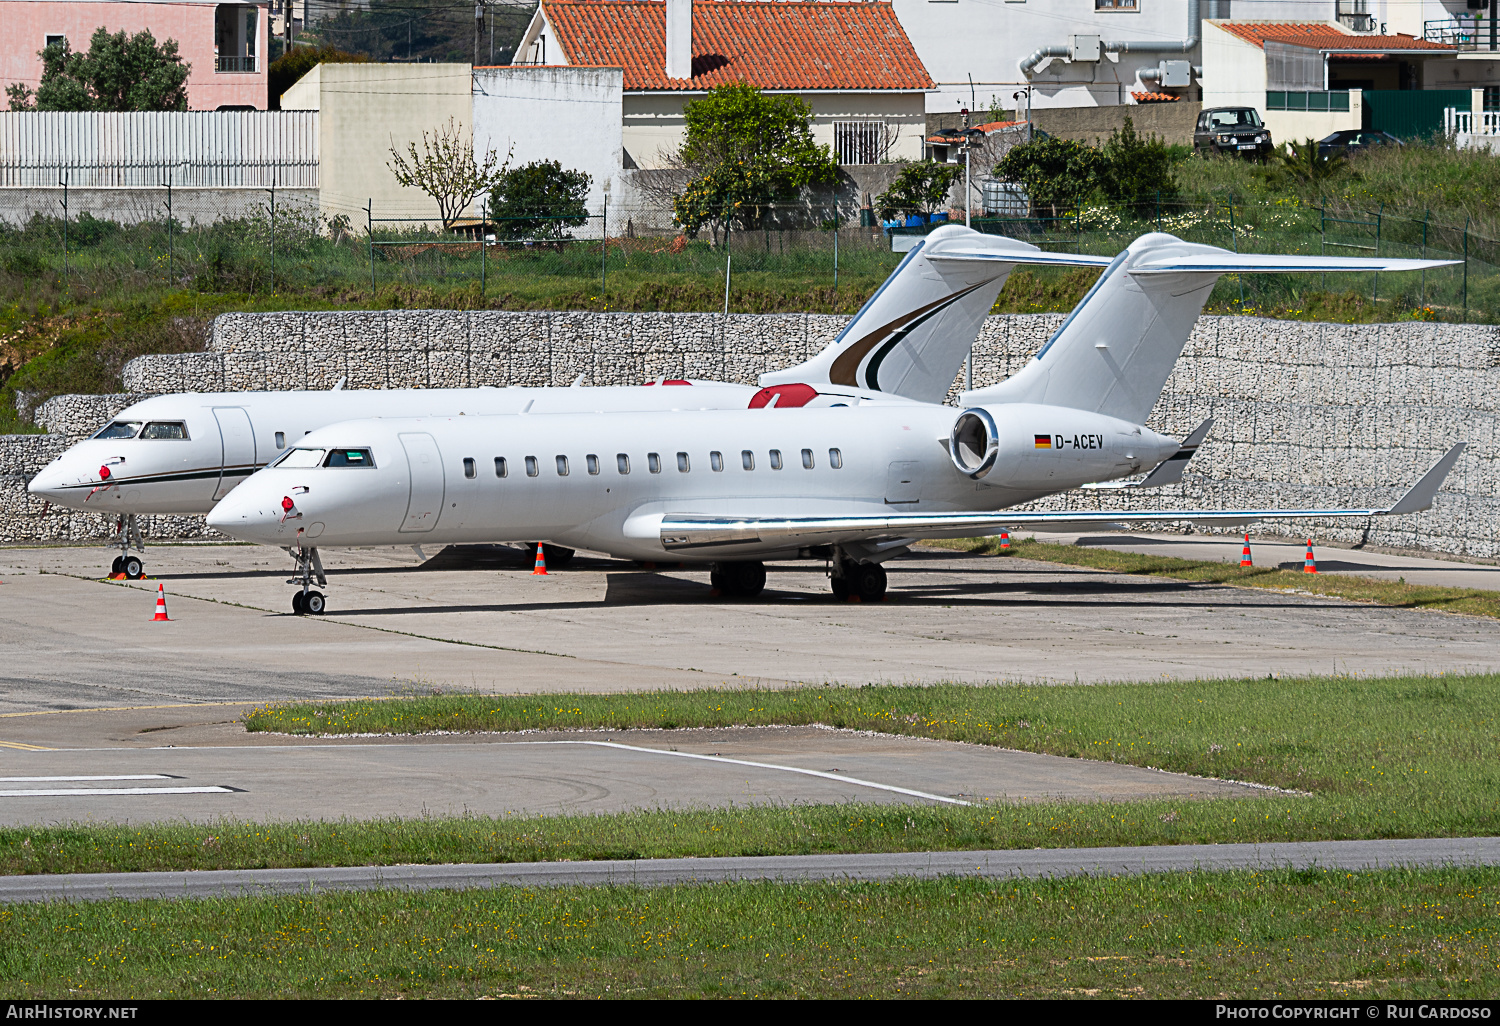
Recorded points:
182,453
853,484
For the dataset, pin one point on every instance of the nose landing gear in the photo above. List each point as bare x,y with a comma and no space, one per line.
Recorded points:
738,580
126,566
308,600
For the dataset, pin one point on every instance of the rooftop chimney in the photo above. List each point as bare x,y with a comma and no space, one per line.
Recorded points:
679,38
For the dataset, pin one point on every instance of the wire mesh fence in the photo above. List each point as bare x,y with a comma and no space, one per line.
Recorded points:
634,258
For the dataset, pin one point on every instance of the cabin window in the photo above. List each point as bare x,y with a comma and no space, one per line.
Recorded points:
653,462
716,461
362,458
593,463
562,466
747,459
281,440
807,459
502,469
165,429
682,463
775,459
622,463
835,459
471,471
121,429
531,467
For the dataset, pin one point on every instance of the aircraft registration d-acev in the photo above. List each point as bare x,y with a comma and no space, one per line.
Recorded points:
853,483
182,453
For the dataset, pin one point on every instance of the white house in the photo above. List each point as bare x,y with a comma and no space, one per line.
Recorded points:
850,62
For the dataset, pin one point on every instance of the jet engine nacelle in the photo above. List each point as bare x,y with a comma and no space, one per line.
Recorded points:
1029,446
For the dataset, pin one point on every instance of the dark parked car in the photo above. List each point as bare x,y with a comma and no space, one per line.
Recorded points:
1234,131
1354,140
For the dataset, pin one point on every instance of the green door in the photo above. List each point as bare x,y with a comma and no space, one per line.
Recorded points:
1411,113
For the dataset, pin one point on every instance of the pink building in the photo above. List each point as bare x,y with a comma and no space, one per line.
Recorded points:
225,43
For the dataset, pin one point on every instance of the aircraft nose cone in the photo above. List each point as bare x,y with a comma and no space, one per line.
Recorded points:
51,484
249,516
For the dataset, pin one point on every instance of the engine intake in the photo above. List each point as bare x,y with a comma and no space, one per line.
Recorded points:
974,443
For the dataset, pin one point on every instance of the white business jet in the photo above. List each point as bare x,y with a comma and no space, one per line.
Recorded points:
182,453
851,483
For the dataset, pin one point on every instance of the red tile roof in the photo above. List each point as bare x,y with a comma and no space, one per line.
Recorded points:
1319,35
771,45
1155,97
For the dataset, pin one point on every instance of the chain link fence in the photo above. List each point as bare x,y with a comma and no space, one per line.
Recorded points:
633,258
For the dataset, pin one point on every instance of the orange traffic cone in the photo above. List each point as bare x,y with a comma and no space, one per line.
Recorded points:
1245,559
1310,566
1004,540
541,562
161,603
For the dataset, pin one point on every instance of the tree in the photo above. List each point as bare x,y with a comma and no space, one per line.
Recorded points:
747,151
285,70
920,188
1137,171
1058,173
1302,168
447,170
538,200
118,73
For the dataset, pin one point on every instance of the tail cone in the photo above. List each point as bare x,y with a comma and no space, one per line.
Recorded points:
1310,566
161,603
541,562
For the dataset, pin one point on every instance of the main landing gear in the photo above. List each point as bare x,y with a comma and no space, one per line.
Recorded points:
864,581
132,568
308,600
738,580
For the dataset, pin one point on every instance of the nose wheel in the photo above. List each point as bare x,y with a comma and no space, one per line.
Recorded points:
738,580
125,565
308,601
864,581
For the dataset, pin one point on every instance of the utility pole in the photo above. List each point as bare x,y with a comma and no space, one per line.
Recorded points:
968,186
478,30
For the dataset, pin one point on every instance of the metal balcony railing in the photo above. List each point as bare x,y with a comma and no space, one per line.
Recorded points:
1468,34
234,63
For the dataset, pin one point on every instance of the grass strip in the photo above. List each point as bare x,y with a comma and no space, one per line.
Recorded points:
1280,934
1469,601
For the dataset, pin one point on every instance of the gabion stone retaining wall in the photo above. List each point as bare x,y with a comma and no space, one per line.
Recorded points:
1307,414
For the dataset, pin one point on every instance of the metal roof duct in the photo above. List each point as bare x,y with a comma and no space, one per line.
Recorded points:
1194,30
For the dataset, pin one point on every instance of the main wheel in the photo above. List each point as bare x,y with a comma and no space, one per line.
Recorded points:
868,582
840,586
718,580
133,568
314,603
297,603
558,557
114,567
744,580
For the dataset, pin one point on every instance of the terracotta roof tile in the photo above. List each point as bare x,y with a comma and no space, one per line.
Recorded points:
773,45
1155,97
1319,35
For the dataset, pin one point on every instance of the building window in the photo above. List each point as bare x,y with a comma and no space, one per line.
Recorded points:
55,38
1117,5
859,142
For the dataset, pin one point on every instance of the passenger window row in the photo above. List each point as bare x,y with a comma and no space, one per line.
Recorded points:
653,463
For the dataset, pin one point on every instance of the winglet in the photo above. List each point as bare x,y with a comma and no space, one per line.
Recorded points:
1420,495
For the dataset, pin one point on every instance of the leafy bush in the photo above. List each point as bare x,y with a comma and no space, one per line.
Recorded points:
920,188
1137,172
538,200
1058,174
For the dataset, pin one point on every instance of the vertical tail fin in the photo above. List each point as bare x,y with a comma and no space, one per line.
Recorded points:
914,334
1114,352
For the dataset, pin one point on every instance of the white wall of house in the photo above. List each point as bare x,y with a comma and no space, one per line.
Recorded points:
1296,125
570,115
1234,71
654,124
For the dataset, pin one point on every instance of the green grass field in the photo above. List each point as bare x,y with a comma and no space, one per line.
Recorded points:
1309,933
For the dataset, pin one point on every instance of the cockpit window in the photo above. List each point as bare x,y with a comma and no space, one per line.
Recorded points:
121,429
299,458
165,429
353,458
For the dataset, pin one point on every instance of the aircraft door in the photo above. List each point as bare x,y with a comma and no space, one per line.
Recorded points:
237,448
902,486
425,504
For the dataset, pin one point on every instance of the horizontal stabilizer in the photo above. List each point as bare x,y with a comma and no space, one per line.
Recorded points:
680,532
1274,263
1169,471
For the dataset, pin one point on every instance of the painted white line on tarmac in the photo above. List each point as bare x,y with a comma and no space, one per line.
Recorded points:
100,792
841,778
118,776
